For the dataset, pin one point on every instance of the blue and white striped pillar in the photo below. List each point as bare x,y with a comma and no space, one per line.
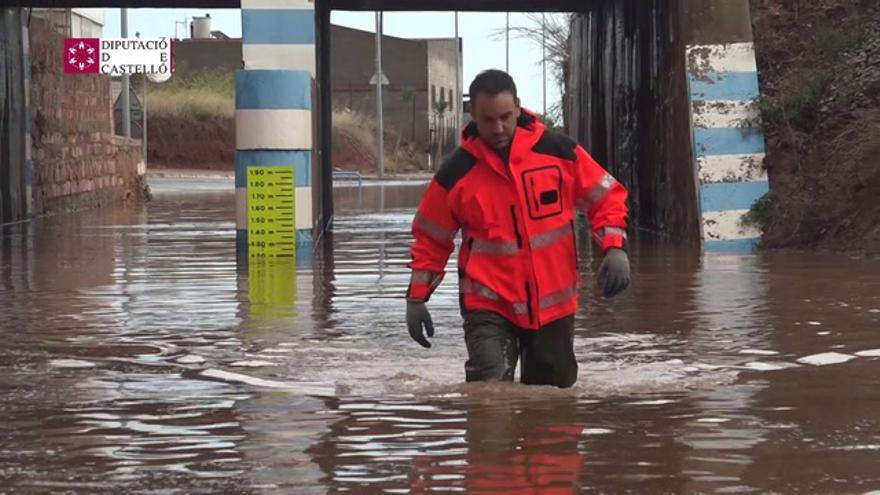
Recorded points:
728,141
273,102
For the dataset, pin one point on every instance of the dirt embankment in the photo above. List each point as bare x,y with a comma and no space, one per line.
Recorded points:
208,143
203,143
354,147
819,67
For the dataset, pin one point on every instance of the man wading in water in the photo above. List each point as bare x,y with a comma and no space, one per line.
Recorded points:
512,188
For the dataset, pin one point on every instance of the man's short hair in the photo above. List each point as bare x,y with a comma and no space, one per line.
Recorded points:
492,82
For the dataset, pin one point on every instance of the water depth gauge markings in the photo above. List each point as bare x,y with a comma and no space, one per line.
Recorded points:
271,212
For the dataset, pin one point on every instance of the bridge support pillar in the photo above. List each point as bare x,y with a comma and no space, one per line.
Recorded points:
727,135
273,121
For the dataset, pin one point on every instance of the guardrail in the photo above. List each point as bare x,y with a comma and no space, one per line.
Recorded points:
349,174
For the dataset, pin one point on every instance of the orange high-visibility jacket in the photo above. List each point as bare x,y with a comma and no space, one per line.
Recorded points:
518,255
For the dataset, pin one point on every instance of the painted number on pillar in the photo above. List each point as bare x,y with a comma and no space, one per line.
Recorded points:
271,212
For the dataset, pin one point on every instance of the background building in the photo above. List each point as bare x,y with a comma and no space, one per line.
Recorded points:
418,97
74,23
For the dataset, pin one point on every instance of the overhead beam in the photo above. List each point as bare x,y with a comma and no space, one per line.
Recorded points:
132,4
365,5
461,5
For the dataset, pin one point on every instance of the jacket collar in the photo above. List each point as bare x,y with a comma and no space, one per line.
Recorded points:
528,131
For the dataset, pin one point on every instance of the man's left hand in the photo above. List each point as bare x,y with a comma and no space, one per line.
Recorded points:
614,272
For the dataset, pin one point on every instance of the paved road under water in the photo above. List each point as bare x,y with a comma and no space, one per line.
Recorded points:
136,357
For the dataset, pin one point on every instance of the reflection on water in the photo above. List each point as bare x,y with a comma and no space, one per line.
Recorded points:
139,356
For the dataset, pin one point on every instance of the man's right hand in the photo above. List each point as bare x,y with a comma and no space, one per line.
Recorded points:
417,315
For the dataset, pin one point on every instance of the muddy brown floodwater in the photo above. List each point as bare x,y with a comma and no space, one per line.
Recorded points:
136,356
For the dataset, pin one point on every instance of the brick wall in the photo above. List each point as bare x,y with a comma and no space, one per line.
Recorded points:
78,161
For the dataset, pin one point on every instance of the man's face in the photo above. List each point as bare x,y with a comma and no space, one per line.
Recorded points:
496,118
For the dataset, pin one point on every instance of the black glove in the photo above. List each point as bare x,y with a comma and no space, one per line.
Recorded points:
614,272
417,315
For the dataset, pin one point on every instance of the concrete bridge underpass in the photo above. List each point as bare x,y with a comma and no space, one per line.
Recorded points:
660,92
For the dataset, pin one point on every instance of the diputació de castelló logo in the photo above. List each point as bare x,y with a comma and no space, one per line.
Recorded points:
118,56
82,55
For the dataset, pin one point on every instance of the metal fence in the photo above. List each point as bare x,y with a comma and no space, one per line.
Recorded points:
442,140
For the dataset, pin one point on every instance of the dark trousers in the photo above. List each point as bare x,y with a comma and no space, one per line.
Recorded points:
495,344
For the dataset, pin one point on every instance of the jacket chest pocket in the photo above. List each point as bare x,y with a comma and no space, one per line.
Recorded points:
543,189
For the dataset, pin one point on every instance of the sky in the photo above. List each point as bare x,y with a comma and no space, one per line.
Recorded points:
481,50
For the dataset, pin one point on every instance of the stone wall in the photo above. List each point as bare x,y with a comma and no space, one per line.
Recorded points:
78,161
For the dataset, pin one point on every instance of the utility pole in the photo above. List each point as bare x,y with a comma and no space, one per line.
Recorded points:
126,85
456,105
144,120
380,127
544,57
507,45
